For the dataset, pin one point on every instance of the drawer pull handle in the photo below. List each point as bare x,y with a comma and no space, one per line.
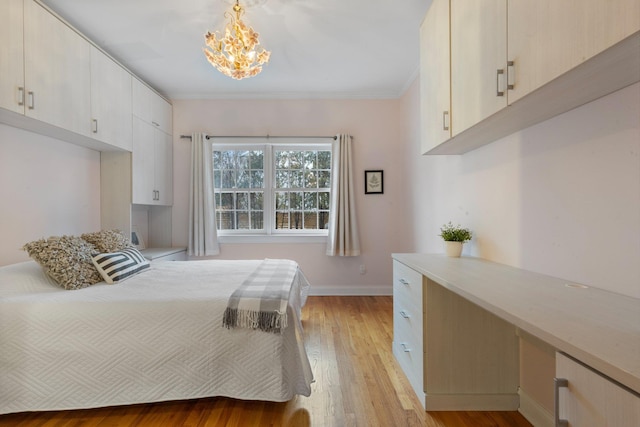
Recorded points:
404,314
557,384
405,348
404,282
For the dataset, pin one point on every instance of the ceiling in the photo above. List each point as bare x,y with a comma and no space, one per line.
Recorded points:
319,48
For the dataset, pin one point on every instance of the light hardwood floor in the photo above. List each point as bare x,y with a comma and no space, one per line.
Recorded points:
357,383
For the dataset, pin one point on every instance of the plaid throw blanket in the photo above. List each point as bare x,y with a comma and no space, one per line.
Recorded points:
261,301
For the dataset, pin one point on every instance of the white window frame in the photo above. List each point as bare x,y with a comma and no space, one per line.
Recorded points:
270,233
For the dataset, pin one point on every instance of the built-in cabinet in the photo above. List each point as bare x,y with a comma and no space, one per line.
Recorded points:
514,63
455,354
12,55
457,325
56,82
111,116
152,148
57,72
586,398
435,75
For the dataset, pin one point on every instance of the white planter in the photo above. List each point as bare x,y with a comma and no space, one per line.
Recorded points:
453,249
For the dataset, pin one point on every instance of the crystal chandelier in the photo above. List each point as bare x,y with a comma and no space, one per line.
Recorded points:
237,54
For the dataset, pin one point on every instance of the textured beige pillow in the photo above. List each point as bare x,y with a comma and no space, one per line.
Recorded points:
108,240
66,259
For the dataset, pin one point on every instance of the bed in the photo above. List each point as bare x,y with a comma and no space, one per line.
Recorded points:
157,336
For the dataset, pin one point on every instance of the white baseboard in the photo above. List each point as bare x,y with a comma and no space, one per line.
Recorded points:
326,291
533,412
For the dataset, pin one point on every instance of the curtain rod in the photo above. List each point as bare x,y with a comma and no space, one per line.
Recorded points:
258,136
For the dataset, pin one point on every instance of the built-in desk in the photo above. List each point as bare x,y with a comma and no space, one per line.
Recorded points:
464,297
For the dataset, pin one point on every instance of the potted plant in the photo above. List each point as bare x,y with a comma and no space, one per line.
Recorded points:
454,237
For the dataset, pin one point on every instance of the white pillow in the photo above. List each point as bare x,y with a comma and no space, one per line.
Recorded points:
115,267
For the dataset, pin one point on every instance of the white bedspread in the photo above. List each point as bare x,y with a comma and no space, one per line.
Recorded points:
157,336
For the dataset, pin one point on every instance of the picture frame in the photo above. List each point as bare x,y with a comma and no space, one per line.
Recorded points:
136,239
373,182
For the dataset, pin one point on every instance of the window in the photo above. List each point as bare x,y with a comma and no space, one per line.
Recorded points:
272,189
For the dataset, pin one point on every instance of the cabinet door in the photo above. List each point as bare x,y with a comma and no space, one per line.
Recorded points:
549,37
163,168
57,71
478,60
162,114
11,56
435,79
142,101
143,163
110,101
591,400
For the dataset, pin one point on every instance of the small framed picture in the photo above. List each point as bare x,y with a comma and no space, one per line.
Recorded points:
373,182
136,238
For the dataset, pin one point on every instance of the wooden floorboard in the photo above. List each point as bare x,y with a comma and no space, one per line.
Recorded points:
357,383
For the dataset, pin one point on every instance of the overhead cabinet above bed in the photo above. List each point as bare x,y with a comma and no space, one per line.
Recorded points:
58,83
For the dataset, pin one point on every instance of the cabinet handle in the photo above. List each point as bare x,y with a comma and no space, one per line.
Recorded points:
404,282
20,95
95,125
445,120
511,76
404,314
405,348
155,123
557,384
499,79
32,100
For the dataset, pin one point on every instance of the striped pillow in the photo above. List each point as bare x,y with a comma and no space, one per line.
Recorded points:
115,267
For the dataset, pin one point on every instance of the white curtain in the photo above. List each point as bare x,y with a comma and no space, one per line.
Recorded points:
343,227
203,236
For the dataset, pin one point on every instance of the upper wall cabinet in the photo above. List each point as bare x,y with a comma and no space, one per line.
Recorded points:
111,116
151,108
57,72
548,37
478,61
57,83
514,63
435,83
11,56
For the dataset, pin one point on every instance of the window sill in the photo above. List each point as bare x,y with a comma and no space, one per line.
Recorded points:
262,238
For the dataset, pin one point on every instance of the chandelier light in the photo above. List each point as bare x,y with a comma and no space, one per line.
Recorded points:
237,54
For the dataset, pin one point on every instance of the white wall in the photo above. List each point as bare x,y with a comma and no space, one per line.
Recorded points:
560,198
378,144
47,187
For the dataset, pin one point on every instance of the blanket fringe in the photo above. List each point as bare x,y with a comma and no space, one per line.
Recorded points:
274,322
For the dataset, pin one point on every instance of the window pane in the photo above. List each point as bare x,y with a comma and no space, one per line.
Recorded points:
323,220
243,179
310,179
311,220
257,160
243,220
217,178
282,179
226,201
324,179
242,201
257,220
295,221
310,201
257,201
282,200
296,200
310,161
323,200
228,178
257,179
296,160
225,221
282,220
297,179
324,160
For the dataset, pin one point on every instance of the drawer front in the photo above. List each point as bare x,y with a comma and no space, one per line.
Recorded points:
591,399
408,352
407,283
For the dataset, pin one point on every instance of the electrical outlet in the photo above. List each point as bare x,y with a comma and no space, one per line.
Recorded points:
363,269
